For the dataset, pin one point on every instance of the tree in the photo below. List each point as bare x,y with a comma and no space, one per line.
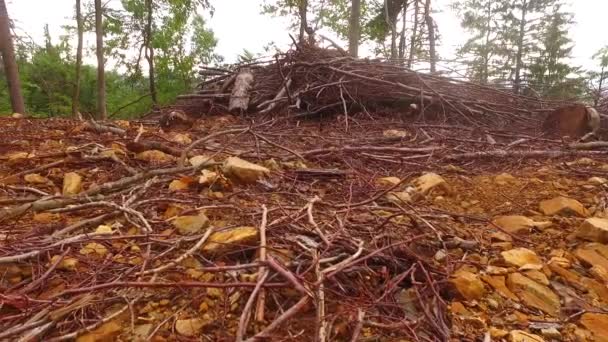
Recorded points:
80,34
354,31
483,51
430,24
10,63
101,81
549,71
598,79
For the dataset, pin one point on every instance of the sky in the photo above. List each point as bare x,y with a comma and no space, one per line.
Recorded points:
239,25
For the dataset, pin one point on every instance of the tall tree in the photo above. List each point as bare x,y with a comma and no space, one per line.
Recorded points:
354,30
414,35
80,33
303,11
9,61
598,79
149,49
430,25
101,76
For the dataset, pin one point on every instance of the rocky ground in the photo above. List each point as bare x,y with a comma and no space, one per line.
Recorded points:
363,229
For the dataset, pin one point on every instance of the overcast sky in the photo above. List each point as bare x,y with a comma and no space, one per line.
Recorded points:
238,24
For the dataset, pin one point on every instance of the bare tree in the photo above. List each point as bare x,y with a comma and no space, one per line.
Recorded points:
149,47
80,29
414,35
354,30
430,23
101,77
520,47
10,62
303,10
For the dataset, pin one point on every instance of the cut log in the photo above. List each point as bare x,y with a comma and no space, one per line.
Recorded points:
239,100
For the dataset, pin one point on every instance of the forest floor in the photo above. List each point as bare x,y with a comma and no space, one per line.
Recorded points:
364,229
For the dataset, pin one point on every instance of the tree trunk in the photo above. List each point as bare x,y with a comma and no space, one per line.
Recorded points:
354,30
101,76
600,87
485,74
303,10
80,28
391,20
413,38
150,52
431,29
10,62
402,35
520,48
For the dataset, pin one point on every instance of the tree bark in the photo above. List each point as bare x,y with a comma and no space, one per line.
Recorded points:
150,51
80,28
402,34
354,30
10,62
303,10
414,36
520,47
431,30
101,77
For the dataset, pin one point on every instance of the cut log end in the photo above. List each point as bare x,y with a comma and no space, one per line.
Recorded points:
239,100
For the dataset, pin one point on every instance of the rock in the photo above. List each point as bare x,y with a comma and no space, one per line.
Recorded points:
106,332
537,276
141,332
504,179
67,263
440,256
551,333
208,177
468,285
563,206
560,261
388,181
72,184
594,229
399,197
394,133
94,248
534,294
597,180
181,138
103,229
590,256
430,181
523,336
599,273
224,240
34,178
199,160
154,156
518,224
520,257
190,327
597,324
190,225
582,162
243,171
498,333
498,283
178,185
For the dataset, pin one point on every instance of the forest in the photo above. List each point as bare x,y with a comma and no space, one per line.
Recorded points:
151,49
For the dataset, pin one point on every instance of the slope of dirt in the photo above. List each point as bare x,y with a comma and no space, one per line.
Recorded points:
109,233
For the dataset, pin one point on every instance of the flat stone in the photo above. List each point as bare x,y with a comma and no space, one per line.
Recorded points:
223,241
537,276
597,180
208,177
200,160
534,294
551,333
523,336
560,261
563,206
498,283
599,273
72,184
590,256
106,332
395,133
94,248
520,257
67,263
518,224
190,327
178,185
243,171
504,178
35,178
597,324
388,181
430,181
594,229
468,284
190,225
154,156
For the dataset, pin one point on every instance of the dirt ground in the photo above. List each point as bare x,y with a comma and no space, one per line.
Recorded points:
115,233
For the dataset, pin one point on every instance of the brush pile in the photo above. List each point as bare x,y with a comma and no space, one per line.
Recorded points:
312,81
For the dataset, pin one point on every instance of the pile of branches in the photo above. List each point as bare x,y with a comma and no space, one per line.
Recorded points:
310,80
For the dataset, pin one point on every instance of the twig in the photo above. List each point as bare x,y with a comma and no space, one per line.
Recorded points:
359,326
244,320
261,303
311,220
264,334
